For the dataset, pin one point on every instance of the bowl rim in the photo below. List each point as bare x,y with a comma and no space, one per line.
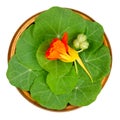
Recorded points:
12,47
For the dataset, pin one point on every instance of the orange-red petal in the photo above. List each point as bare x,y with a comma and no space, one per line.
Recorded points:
51,54
65,40
56,48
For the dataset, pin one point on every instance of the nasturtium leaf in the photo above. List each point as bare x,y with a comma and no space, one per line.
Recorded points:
20,75
62,84
26,49
45,97
94,32
84,93
97,62
55,21
55,67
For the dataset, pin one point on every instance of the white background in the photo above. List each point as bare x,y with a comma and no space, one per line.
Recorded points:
13,106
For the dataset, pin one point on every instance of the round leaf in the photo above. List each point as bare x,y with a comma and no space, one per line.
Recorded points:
84,93
62,84
55,21
19,75
26,49
43,95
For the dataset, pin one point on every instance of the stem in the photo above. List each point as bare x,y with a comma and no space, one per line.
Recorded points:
80,51
76,69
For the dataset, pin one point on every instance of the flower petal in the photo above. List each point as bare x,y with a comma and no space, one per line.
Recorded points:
56,48
65,40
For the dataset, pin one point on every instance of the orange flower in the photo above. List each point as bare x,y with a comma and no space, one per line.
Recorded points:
59,49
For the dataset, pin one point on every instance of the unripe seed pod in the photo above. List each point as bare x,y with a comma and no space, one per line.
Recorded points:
76,44
81,42
81,38
84,45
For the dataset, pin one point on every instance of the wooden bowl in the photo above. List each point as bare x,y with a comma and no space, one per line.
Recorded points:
12,48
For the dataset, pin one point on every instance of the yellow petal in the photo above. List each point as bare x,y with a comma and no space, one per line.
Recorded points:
66,58
73,53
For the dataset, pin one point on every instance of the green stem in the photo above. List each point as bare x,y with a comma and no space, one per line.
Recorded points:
76,69
80,51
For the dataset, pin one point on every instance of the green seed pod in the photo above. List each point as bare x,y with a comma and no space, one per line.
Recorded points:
76,44
84,45
81,38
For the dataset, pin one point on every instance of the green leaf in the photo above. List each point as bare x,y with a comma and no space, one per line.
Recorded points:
26,49
60,20
62,84
43,95
20,75
97,62
94,32
85,92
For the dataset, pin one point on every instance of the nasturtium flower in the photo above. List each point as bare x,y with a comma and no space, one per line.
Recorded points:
60,50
